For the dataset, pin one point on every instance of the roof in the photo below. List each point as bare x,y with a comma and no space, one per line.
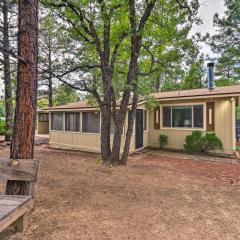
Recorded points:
201,92
190,93
74,105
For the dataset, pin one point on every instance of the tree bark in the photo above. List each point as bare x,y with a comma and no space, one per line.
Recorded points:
105,133
129,133
7,74
117,143
50,75
22,146
106,116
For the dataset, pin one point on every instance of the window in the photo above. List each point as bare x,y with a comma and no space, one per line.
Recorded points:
57,121
183,116
72,122
198,116
145,120
43,117
166,116
91,122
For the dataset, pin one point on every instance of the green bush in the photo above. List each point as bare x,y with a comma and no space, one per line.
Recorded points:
212,142
200,142
163,141
194,142
2,127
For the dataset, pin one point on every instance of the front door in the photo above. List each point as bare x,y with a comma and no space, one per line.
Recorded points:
139,128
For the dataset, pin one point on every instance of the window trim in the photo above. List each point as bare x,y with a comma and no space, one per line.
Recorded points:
184,128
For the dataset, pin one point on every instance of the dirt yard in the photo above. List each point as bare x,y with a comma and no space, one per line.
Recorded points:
152,198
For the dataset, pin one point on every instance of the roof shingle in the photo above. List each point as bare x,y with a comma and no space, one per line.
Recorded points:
191,93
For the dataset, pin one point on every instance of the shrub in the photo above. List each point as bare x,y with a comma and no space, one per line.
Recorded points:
163,141
194,142
200,142
2,127
212,142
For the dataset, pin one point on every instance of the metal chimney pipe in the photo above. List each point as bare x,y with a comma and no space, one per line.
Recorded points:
211,83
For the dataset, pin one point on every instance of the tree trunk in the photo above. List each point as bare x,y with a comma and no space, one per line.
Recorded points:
7,74
132,78
117,142
106,116
50,90
22,146
131,119
105,133
132,81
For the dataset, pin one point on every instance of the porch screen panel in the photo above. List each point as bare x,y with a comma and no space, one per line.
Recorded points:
91,122
182,116
43,117
57,121
72,122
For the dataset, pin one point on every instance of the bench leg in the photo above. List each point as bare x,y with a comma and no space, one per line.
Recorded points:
22,223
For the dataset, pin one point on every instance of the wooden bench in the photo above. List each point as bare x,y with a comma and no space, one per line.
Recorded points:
14,209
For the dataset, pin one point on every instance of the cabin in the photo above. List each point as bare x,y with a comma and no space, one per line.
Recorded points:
76,125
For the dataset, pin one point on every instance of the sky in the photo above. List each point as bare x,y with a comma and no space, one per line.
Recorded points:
207,10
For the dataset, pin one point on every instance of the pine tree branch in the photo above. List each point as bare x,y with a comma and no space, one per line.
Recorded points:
10,52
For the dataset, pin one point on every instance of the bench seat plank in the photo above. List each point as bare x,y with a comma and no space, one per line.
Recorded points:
12,208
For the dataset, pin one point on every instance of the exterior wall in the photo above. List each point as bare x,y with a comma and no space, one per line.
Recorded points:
43,127
80,141
224,125
224,128
89,141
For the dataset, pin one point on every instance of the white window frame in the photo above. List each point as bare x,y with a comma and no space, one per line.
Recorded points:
184,128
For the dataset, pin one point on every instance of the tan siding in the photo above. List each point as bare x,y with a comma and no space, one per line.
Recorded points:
224,126
145,139
80,141
176,137
88,141
43,127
